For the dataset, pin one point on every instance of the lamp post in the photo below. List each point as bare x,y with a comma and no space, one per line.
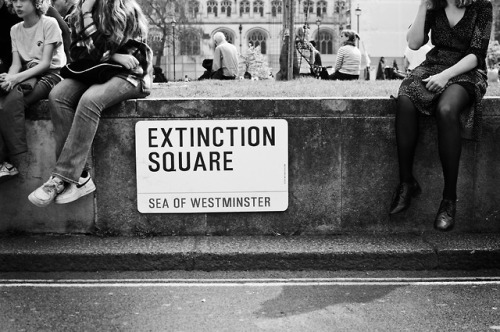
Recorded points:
240,28
318,22
357,11
173,42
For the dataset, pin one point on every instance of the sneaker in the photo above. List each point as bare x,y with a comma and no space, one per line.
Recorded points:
7,171
73,191
45,194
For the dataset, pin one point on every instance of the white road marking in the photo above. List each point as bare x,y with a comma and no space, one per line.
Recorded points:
267,282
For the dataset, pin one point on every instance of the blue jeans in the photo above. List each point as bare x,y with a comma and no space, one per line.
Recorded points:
76,109
12,107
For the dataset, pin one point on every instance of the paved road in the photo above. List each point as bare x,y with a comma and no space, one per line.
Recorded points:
258,301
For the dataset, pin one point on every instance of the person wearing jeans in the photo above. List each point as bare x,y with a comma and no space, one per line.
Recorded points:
37,56
76,106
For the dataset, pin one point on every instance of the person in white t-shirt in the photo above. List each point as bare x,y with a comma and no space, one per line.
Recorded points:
413,58
37,56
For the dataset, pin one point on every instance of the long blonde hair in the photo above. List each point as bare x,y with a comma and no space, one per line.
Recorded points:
119,20
435,4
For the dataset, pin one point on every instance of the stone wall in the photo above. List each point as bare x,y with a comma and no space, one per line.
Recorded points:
342,172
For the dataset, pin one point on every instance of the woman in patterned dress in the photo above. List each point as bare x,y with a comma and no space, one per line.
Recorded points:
450,85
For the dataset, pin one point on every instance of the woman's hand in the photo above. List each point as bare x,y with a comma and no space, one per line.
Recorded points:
87,5
126,60
436,83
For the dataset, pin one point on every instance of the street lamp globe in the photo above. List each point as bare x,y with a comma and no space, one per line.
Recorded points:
318,23
357,11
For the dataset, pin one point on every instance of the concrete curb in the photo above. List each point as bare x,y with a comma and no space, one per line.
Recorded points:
43,253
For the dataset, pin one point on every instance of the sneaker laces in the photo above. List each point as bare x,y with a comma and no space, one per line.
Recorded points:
51,186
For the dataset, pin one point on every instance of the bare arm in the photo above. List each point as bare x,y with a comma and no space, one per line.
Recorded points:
416,34
15,76
437,82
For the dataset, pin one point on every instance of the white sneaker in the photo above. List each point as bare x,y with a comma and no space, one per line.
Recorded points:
7,171
45,194
72,192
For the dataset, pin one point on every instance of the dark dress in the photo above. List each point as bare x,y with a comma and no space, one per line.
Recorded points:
469,36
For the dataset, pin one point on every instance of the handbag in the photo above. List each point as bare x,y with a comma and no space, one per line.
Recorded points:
93,72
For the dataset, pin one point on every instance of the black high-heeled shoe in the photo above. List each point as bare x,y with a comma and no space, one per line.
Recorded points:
445,218
402,196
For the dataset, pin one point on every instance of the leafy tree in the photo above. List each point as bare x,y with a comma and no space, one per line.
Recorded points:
255,63
160,14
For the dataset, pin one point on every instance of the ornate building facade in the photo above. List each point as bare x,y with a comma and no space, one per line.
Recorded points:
382,25
245,23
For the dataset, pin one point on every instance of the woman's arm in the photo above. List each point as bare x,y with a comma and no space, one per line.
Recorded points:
416,36
475,55
436,83
340,59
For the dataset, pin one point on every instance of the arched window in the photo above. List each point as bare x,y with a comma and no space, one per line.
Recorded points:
193,8
212,7
308,6
326,42
258,38
190,43
276,7
340,6
244,7
321,8
258,7
225,7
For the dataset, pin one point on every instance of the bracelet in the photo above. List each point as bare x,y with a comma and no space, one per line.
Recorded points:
87,14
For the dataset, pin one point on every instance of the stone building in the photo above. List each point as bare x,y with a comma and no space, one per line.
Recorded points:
245,22
382,25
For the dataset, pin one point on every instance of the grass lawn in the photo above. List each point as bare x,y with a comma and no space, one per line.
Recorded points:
303,87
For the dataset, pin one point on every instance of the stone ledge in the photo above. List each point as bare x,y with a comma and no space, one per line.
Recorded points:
254,107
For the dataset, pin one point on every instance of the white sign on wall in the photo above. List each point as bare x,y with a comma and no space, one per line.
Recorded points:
186,166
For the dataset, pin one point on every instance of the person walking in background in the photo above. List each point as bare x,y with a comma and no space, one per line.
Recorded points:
225,64
37,56
450,85
100,28
381,69
348,63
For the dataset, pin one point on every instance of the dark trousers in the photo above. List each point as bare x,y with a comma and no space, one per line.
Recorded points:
217,75
343,77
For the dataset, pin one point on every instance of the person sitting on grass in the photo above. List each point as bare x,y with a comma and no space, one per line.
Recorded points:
348,63
225,64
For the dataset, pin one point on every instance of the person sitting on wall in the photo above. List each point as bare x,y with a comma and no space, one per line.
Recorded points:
65,8
225,63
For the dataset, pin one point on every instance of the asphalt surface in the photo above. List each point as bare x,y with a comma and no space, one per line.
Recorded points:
251,301
211,253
